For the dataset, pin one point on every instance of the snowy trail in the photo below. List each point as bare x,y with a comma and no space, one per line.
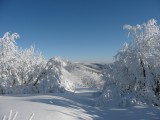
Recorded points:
71,106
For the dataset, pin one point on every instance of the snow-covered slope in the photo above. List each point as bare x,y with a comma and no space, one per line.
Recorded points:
71,106
70,75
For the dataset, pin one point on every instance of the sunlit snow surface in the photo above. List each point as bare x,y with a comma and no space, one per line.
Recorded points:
71,106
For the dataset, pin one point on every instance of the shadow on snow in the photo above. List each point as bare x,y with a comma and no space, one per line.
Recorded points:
82,106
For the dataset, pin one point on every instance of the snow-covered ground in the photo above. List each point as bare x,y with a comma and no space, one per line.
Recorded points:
71,106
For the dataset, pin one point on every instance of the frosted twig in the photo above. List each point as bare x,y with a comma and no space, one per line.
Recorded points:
31,116
15,115
4,117
10,115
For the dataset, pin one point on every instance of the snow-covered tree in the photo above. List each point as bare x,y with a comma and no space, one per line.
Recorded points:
8,58
135,73
18,66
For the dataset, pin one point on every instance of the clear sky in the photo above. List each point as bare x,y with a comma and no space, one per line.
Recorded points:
77,30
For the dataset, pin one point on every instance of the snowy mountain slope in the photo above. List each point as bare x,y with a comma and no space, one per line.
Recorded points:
76,74
71,106
97,66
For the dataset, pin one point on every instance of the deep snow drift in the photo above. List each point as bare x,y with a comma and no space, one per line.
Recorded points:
71,106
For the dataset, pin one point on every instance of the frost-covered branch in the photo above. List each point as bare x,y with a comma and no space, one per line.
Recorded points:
12,116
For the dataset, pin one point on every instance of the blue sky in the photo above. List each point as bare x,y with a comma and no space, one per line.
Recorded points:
77,30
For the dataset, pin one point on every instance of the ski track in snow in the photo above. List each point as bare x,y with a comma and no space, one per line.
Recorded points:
71,106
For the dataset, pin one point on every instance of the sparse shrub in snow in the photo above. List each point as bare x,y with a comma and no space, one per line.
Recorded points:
84,76
92,79
135,74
